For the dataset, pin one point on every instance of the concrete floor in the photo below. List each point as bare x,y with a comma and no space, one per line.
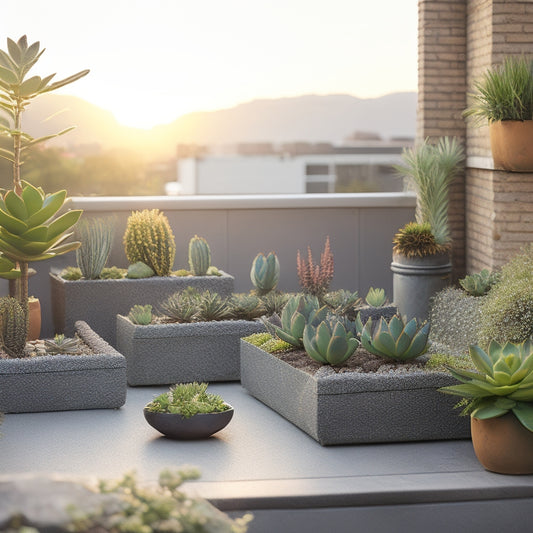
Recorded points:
262,463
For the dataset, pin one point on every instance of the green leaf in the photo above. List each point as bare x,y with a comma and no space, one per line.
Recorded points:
14,50
481,360
488,411
51,205
37,234
524,413
66,81
63,223
30,86
33,199
395,327
12,224
15,206
467,390
8,76
6,61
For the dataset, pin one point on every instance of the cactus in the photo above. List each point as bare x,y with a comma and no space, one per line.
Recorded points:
395,339
265,273
96,236
245,307
61,344
14,326
199,256
503,382
141,314
329,342
480,283
139,270
149,238
375,297
298,311
315,278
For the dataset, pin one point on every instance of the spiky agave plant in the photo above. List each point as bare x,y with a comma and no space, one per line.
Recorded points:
430,169
416,240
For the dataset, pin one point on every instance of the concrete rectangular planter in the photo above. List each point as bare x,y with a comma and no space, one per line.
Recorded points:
162,354
97,302
352,408
65,382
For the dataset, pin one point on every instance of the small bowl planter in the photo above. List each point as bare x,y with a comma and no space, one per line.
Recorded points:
65,382
200,426
99,301
162,354
354,408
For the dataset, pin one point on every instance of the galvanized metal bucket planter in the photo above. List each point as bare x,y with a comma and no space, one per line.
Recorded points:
99,301
164,354
353,408
65,382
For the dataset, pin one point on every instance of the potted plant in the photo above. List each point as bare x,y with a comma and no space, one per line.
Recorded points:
150,249
504,98
196,337
314,370
187,411
421,262
499,400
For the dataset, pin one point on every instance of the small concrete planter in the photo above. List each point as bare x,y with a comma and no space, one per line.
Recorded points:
164,354
375,313
352,408
97,302
65,382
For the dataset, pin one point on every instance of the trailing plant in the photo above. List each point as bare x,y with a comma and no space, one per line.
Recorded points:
187,399
14,326
480,283
199,256
315,279
265,273
96,236
149,238
343,302
395,339
503,382
62,345
455,319
245,307
507,310
430,170
375,297
329,342
31,228
298,311
141,314
504,92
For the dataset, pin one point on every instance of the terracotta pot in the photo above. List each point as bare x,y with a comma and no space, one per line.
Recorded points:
34,326
503,444
511,142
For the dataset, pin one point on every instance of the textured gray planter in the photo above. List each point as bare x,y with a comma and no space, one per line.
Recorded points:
415,280
163,354
97,302
65,382
351,408
375,313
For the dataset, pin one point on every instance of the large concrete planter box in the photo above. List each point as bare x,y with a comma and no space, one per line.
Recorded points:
162,354
352,408
65,382
97,302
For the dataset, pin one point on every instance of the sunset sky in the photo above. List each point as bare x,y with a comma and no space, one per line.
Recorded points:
154,60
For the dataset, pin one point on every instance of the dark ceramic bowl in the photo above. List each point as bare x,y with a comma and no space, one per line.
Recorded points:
199,426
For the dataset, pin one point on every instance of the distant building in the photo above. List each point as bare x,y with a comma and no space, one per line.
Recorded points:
292,168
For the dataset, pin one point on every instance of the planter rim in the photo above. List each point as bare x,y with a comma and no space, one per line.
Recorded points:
151,279
231,408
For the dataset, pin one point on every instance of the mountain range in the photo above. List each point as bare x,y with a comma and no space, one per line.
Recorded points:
307,118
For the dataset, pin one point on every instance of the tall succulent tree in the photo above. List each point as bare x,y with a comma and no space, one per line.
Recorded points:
30,227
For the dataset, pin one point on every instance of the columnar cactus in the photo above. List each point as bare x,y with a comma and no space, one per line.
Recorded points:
265,273
96,236
149,238
199,256
14,326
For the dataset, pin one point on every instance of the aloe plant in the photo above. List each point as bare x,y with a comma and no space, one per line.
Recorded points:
395,339
329,342
503,382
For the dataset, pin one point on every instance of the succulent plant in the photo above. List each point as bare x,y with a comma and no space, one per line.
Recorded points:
149,238
343,302
503,383
245,307
71,273
417,240
112,273
395,339
62,345
199,256
265,273
212,306
14,326
181,306
141,314
139,270
480,283
96,236
274,302
298,311
376,297
315,278
329,342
